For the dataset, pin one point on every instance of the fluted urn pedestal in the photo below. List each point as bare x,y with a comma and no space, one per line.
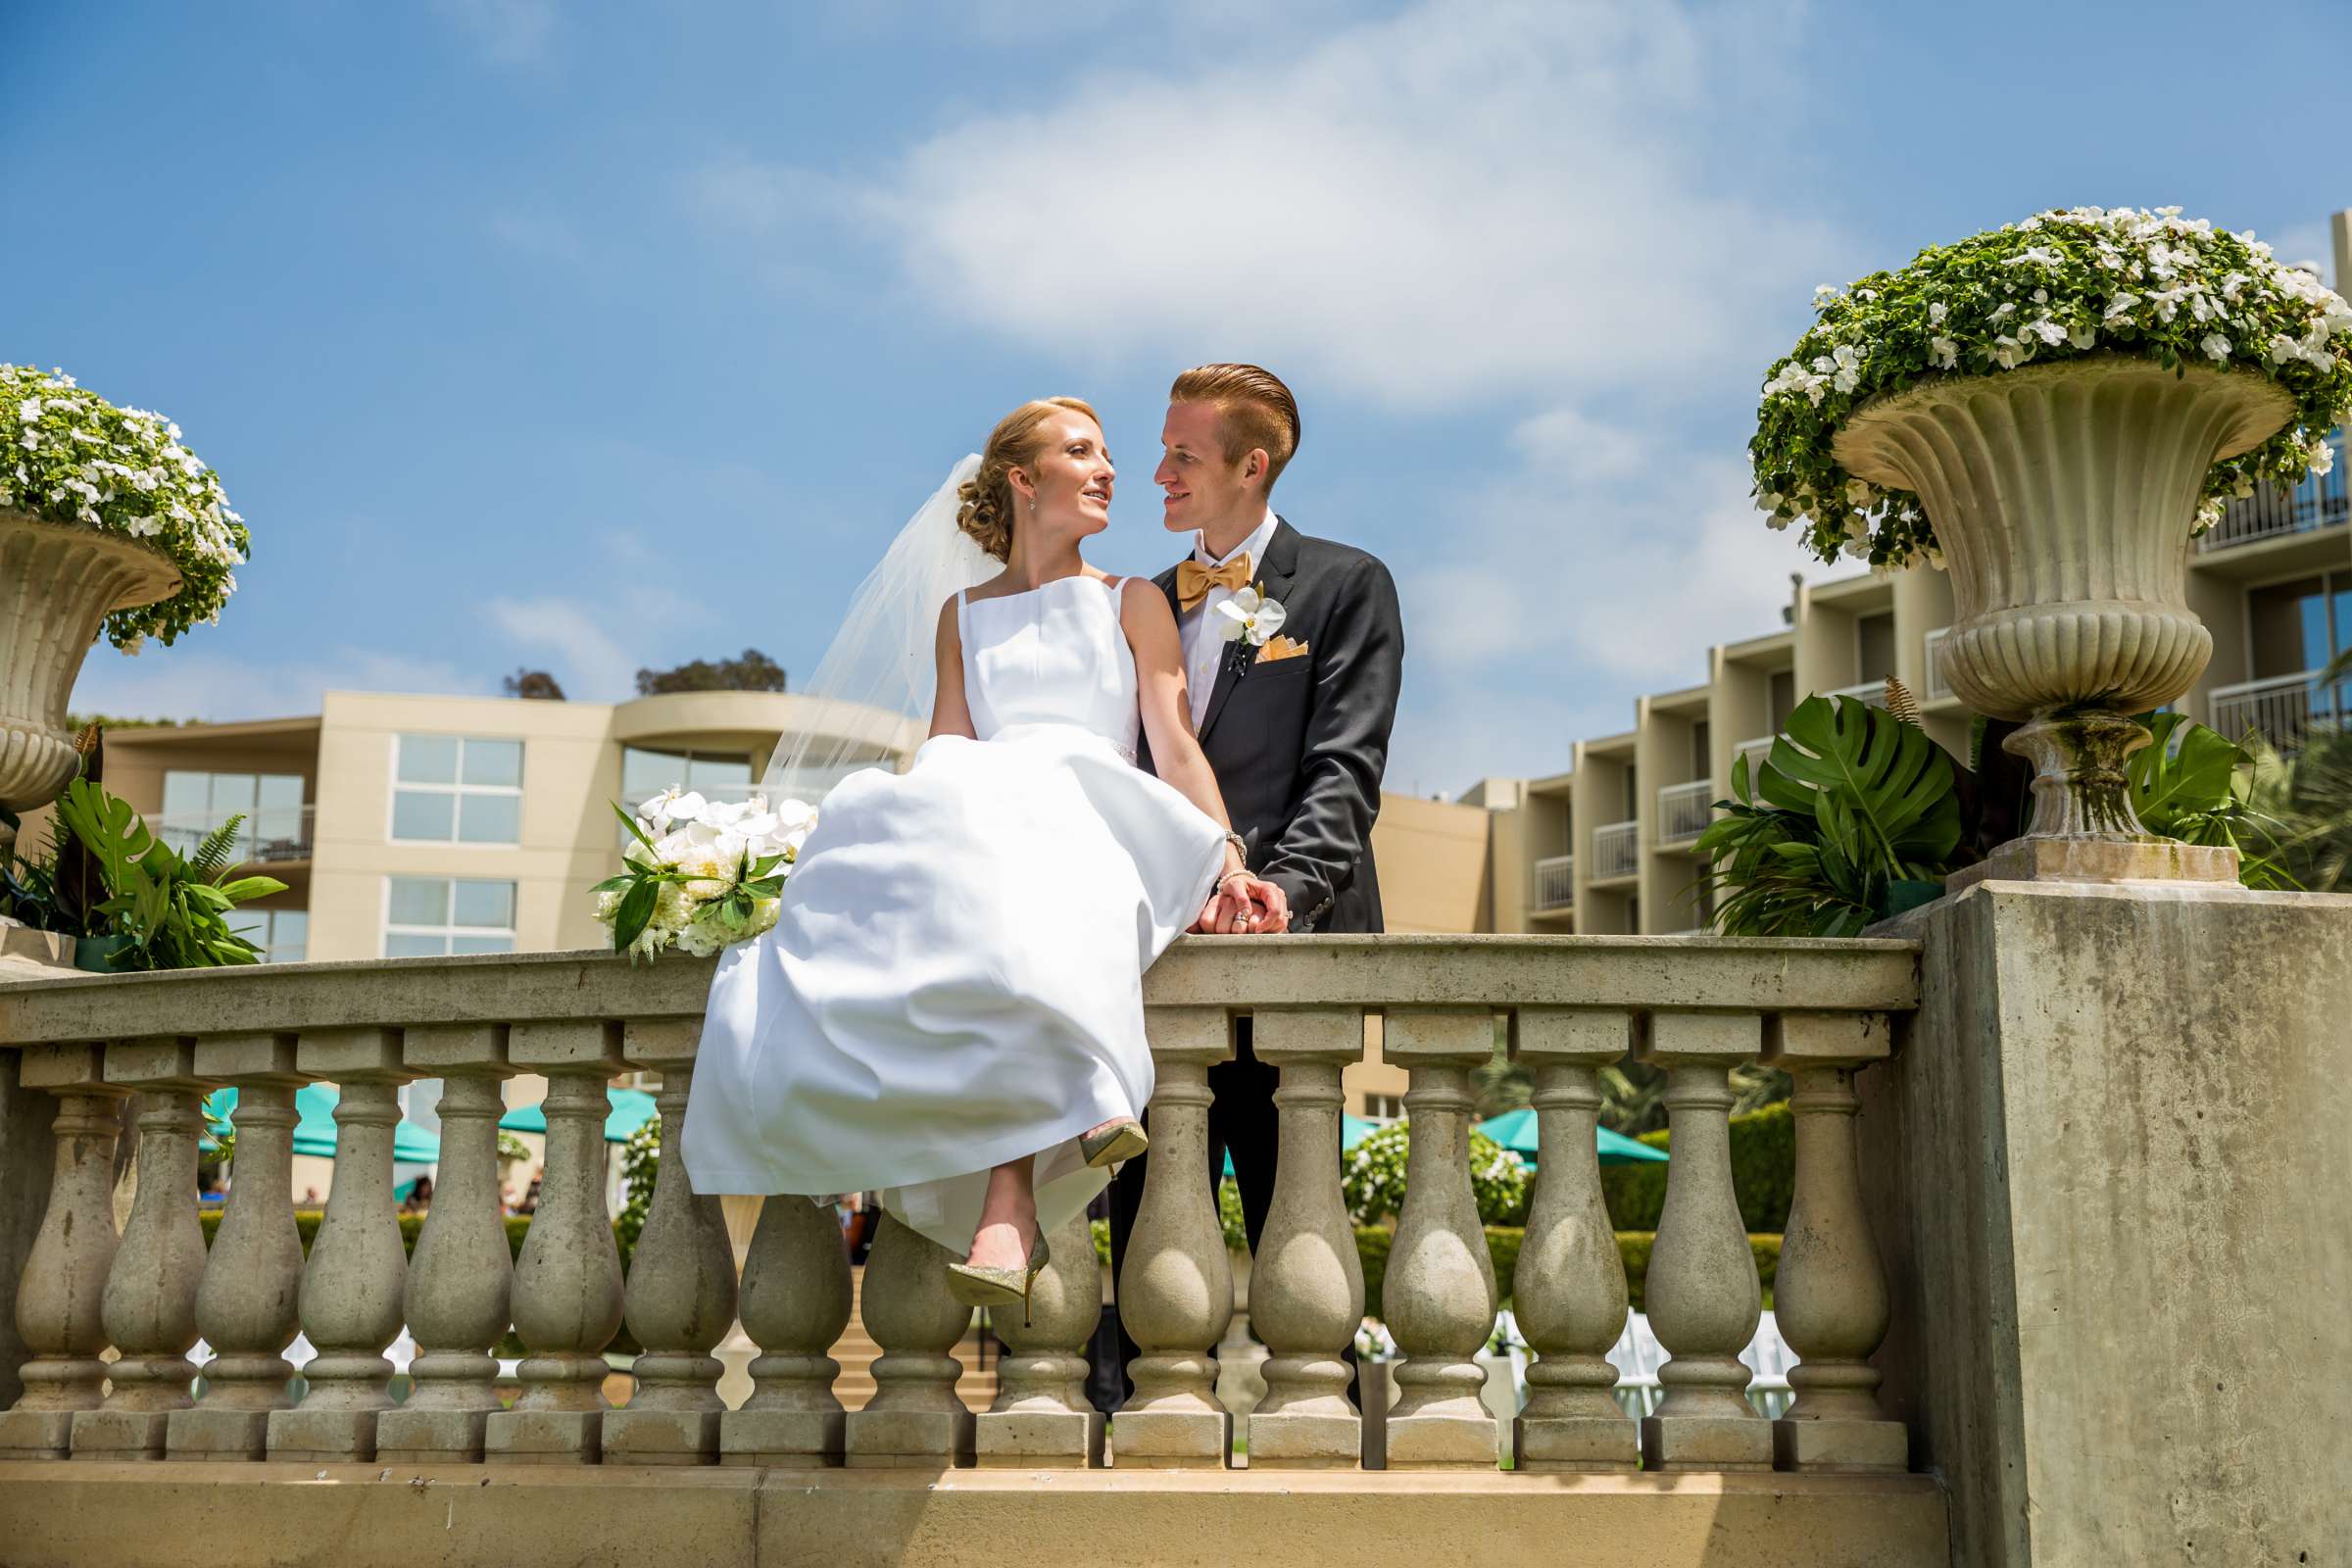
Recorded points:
58,584
2063,496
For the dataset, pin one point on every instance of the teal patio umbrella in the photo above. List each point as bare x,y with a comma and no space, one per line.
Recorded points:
1515,1130
633,1108
314,1130
1354,1130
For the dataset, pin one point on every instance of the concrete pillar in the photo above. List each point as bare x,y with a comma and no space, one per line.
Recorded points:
61,1294
2107,1166
461,1276
1829,1295
681,1290
1702,1293
1570,1293
150,1304
1438,1292
795,1302
1041,1418
358,1268
1307,1290
249,1306
915,1419
1175,1290
568,1283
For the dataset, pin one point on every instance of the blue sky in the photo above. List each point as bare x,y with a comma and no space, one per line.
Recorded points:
584,337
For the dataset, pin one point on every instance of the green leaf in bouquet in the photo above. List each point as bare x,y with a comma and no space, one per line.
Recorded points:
630,823
765,864
635,914
613,884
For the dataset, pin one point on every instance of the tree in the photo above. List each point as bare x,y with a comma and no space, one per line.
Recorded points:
534,684
755,671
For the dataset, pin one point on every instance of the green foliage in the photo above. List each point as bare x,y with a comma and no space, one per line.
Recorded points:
1373,1244
1763,1175
755,671
1851,802
78,461
2060,285
511,1146
2198,788
172,910
640,1169
1372,1177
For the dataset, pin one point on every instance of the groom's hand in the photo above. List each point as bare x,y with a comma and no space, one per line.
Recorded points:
1242,906
1270,907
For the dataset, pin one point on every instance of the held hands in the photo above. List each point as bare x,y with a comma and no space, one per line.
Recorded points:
1244,904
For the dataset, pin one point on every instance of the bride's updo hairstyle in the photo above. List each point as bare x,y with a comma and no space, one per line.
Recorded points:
1015,443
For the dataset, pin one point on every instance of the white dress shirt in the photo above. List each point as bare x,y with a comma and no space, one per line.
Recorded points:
1203,647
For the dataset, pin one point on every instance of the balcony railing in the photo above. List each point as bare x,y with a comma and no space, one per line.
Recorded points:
1873,692
1684,810
1616,851
2321,501
1755,752
1555,883
265,838
1570,1004
2282,709
1939,689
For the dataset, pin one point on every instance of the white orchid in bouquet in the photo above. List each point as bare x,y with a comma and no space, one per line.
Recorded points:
2060,285
68,456
699,874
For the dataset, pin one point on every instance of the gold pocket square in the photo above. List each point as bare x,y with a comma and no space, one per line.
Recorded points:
1279,646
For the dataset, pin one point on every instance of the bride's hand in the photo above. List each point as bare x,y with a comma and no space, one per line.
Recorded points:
1244,906
1270,906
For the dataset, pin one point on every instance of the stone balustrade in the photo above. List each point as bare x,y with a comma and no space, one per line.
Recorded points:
1695,1007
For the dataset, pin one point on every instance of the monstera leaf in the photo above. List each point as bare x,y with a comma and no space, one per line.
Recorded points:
1881,791
2187,785
112,832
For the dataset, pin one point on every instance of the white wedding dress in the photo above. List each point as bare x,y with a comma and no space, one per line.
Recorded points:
956,976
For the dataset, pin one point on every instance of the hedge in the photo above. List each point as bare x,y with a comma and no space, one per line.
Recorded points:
1372,1243
1763,1175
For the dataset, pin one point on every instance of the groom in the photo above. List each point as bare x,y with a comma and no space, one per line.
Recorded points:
1297,726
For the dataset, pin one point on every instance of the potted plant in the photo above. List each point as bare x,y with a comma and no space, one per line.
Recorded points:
2050,411
163,909
106,521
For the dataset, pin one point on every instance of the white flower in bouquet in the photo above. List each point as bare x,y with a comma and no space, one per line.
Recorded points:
697,874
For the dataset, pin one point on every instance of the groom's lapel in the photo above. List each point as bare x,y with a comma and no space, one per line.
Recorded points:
1274,578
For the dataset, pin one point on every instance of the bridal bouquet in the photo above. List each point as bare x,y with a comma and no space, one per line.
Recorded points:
699,875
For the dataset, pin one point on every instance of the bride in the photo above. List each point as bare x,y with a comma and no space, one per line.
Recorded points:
949,1007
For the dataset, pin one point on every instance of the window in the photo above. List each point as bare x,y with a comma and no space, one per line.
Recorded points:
282,935
452,789
1873,647
1384,1107
716,776
1781,698
195,802
426,916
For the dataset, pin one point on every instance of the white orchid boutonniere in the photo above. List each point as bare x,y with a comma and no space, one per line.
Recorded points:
1250,615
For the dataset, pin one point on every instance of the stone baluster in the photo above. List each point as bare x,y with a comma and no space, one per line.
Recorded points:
60,1299
462,1275
1306,1284
1702,1293
1175,1288
1569,1295
1041,1418
150,1305
914,1420
358,1268
1830,1294
249,1307
567,1285
1438,1292
681,1290
795,1302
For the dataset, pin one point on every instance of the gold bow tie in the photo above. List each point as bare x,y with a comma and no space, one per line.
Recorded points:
1194,580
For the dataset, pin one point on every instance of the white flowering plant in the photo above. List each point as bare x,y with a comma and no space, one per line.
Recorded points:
2060,285
699,875
68,455
1372,1177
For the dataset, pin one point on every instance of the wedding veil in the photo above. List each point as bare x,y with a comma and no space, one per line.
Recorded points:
870,696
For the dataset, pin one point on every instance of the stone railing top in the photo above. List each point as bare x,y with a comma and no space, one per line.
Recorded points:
1373,972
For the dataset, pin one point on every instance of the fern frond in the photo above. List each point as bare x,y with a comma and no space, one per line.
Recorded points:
211,857
1900,702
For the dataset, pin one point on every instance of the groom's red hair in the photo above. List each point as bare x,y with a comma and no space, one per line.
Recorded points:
1254,409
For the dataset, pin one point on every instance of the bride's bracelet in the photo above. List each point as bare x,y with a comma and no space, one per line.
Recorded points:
1230,875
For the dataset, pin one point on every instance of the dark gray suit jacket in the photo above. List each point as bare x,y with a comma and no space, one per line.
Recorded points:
1299,744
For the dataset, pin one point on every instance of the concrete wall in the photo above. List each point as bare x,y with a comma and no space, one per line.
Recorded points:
2108,1168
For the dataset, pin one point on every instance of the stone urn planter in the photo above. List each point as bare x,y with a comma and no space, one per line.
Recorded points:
58,584
2063,496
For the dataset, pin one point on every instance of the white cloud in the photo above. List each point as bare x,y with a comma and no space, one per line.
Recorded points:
587,661
1461,201
507,31
191,682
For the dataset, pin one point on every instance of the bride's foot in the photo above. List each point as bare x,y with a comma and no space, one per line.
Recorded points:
976,1284
1002,1246
1116,1141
